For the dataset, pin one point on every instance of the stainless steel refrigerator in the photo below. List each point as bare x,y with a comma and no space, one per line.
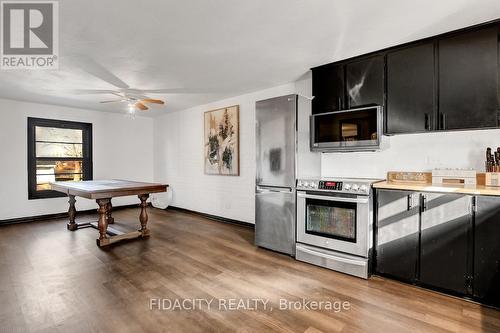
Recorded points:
276,149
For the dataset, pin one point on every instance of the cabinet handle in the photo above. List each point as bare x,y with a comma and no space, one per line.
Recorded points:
340,104
424,203
443,121
427,123
410,201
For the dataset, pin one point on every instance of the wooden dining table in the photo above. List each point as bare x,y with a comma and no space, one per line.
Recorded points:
102,191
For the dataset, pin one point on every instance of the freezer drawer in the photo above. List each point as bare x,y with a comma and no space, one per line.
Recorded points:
275,219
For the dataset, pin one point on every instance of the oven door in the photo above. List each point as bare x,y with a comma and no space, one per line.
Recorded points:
337,223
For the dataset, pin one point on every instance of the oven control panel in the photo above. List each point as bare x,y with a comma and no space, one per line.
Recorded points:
335,186
330,185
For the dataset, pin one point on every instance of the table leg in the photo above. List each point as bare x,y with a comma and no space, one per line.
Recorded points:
144,214
103,222
72,214
109,212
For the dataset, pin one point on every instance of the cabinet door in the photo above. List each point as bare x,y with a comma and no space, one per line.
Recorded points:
446,222
397,234
365,82
487,250
410,90
328,88
468,75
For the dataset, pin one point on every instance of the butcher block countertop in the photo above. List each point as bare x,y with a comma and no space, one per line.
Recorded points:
424,184
461,189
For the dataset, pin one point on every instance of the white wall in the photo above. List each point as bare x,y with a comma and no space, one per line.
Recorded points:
122,149
179,159
414,152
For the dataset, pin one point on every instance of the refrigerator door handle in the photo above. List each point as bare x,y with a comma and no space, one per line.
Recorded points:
261,189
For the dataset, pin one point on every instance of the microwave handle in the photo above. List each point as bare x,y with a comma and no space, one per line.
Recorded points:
328,198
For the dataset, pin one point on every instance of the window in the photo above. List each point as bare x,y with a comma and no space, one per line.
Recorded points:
57,151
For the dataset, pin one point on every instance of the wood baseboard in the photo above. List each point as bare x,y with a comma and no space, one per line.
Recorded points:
38,218
213,217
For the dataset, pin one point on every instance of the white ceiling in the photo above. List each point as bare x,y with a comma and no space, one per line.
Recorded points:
222,47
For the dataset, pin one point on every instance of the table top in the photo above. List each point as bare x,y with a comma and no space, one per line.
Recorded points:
100,189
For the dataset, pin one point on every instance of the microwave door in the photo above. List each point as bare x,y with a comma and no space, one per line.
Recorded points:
349,130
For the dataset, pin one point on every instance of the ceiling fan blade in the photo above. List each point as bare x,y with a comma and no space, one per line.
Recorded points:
152,100
137,96
113,101
94,68
90,91
180,91
141,106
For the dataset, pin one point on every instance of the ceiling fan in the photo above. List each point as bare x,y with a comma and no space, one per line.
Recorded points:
136,98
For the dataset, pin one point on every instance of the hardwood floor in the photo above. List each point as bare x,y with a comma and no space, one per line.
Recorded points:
53,280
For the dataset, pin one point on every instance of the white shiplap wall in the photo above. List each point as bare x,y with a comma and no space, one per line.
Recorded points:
179,157
415,152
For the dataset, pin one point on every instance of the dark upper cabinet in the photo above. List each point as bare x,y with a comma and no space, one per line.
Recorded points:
397,234
328,88
468,80
445,231
487,250
365,82
410,105
447,82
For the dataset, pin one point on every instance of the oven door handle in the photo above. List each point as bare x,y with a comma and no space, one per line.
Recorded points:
328,198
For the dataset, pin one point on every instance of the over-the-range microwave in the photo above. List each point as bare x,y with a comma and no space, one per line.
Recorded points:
347,130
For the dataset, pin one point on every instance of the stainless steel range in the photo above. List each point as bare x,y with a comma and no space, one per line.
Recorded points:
335,222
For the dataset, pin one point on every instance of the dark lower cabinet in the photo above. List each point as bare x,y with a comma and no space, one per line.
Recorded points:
398,234
410,103
445,235
440,241
468,80
487,250
365,82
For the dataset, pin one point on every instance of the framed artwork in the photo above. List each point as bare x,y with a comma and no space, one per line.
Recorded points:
222,141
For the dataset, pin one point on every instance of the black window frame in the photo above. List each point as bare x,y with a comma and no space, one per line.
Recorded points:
87,172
